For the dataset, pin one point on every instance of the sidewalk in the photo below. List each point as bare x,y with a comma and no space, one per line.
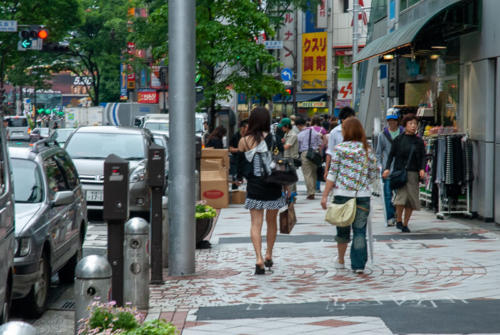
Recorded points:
441,278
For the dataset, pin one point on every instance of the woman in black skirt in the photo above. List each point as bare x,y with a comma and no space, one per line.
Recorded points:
261,195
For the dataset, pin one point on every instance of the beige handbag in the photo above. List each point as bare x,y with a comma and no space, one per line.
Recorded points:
342,215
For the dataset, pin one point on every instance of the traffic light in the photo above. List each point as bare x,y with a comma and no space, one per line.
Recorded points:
288,91
31,38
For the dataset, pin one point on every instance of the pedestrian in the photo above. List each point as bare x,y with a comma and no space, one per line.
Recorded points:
262,196
384,144
316,125
335,136
407,152
308,139
236,159
291,148
353,168
216,137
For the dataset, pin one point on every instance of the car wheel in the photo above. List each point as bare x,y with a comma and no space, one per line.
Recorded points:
5,311
35,302
67,272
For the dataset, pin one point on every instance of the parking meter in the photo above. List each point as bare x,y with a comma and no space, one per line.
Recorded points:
115,211
115,188
156,165
156,180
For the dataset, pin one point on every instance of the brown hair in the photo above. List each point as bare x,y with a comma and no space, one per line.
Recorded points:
218,132
352,130
408,118
259,122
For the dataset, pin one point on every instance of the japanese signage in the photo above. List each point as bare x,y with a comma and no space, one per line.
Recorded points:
321,17
344,75
273,45
311,104
314,60
287,35
8,26
123,82
147,97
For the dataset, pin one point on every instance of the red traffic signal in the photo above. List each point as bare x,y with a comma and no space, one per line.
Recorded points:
288,91
43,34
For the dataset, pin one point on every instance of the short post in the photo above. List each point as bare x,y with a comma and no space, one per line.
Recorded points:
164,207
17,328
92,280
136,263
156,180
116,212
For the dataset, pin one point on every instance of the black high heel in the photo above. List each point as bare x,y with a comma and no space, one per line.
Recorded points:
268,263
260,270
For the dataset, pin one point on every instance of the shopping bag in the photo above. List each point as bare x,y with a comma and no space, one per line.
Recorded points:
287,219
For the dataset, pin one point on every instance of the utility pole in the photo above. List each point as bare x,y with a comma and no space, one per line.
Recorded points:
182,97
295,76
355,42
330,67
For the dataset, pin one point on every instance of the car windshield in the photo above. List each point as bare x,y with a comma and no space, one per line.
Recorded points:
101,145
17,122
156,126
28,182
63,134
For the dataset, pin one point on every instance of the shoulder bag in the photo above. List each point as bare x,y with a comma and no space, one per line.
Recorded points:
398,178
343,215
313,155
283,170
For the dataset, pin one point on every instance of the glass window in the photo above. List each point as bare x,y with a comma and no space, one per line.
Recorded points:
156,126
379,10
69,169
17,122
403,4
28,182
55,177
101,145
199,125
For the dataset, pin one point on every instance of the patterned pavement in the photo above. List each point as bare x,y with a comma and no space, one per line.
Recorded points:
441,263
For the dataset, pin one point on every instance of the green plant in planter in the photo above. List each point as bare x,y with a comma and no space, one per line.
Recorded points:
204,212
109,319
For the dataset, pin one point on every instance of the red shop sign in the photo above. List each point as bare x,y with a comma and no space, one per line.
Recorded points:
147,97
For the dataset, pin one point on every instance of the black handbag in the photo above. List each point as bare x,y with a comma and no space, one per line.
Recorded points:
399,178
283,170
313,155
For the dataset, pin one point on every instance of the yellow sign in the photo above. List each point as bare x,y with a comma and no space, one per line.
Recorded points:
314,49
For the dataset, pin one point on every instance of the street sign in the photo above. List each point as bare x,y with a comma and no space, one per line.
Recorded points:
287,82
273,45
286,74
30,44
8,26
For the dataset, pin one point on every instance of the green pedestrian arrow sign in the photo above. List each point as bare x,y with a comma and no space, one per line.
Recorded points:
26,44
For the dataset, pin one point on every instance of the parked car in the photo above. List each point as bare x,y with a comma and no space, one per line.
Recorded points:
62,135
51,221
7,237
89,147
18,128
39,133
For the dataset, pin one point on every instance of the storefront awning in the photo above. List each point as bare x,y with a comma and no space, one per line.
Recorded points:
300,97
401,37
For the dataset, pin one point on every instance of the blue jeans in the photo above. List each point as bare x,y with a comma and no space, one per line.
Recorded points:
389,207
359,252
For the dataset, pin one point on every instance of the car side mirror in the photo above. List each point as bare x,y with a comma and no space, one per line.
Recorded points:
63,198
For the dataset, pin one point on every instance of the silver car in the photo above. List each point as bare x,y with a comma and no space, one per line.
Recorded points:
51,221
7,238
17,128
89,147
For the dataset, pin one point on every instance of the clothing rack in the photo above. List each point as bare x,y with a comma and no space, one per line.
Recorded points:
448,184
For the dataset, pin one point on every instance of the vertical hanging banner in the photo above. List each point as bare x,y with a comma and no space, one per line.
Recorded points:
123,82
287,35
321,15
314,49
344,75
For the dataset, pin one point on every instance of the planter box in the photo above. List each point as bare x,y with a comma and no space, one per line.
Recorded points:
203,228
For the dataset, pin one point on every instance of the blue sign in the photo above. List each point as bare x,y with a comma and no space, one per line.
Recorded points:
286,74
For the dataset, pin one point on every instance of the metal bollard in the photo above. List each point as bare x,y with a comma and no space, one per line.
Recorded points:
197,185
17,328
164,206
92,280
136,263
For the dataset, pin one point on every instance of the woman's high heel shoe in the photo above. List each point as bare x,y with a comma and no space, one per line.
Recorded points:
268,263
260,270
